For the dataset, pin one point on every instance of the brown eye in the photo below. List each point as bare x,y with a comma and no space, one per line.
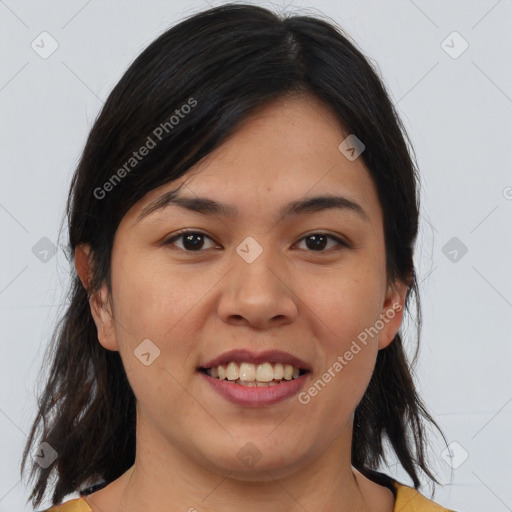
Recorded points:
318,241
192,241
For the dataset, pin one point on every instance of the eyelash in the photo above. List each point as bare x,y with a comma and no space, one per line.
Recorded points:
181,234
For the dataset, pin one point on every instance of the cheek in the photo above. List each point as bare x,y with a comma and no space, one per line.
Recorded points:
349,359
151,302
152,305
148,301
344,302
345,308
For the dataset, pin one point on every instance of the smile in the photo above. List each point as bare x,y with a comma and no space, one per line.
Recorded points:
254,375
254,392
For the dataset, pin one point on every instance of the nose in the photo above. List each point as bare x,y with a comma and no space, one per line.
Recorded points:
258,294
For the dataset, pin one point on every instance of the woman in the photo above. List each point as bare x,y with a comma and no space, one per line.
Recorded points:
242,222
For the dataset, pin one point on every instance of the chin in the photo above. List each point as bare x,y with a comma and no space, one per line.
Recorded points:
253,462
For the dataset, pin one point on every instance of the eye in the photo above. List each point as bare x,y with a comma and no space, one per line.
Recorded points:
316,242
193,241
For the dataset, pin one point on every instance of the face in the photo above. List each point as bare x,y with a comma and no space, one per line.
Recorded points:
308,283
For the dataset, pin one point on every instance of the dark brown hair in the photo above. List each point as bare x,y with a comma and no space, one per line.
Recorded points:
230,60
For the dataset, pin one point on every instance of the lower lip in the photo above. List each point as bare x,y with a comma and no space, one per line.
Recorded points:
256,396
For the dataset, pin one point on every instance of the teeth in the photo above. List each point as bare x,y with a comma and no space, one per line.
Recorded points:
251,375
264,372
278,371
247,371
232,372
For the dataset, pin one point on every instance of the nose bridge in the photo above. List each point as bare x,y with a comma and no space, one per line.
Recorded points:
256,263
256,290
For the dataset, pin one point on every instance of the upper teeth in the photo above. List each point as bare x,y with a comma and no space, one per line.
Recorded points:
248,372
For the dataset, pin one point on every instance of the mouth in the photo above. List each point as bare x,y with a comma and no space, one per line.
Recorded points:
248,374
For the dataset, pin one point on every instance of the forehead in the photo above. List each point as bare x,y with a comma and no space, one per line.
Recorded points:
285,151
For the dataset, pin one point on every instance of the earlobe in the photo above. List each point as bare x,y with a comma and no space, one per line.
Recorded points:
392,313
99,302
103,318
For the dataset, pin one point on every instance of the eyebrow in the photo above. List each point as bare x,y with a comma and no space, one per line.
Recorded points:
206,206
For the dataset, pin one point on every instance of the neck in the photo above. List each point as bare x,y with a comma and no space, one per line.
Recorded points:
165,477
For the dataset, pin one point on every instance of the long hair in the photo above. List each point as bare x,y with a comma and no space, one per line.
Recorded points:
223,64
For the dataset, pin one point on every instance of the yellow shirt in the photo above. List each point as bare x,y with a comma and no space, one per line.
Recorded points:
407,499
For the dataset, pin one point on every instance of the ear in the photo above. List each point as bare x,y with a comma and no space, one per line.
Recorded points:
99,301
392,312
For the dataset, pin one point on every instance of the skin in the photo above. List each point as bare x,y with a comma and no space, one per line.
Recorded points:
196,305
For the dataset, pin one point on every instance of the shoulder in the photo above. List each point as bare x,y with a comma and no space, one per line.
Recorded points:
409,499
76,505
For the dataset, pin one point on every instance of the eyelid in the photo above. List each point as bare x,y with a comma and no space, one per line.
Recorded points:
183,232
340,241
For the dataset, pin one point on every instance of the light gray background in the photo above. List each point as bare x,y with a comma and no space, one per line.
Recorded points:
458,114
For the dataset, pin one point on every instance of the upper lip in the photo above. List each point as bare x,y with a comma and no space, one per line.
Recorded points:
246,356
